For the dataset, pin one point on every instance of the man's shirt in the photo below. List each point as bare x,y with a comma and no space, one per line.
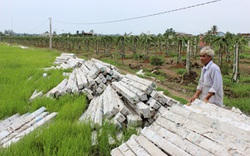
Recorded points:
211,81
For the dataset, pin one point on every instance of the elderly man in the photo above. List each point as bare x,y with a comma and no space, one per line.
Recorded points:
210,87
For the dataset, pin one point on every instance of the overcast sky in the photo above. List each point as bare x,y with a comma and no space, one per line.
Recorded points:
32,16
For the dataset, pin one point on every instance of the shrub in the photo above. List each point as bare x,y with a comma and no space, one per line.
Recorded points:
181,71
156,60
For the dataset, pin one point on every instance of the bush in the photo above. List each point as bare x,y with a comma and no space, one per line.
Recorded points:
156,60
181,71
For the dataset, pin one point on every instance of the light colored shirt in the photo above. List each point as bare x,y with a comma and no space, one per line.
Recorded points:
211,81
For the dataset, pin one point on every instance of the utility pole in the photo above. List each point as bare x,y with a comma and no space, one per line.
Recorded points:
50,33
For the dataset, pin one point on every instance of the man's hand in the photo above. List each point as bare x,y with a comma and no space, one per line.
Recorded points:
209,95
193,98
205,100
196,95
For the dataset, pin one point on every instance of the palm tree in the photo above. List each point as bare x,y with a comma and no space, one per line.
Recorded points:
214,30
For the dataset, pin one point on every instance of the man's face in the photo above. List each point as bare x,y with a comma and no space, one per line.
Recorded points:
205,58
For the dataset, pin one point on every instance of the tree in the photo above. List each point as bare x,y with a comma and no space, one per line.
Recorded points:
223,46
208,38
121,45
133,42
107,41
214,30
146,41
54,33
230,39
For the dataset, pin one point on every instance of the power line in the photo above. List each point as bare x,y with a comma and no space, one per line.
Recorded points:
39,26
145,16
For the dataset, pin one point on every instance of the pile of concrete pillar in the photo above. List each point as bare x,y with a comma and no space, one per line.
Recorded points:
126,100
91,78
13,128
199,129
66,61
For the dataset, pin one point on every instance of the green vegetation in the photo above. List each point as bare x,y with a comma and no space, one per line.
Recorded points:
156,60
180,71
21,73
237,94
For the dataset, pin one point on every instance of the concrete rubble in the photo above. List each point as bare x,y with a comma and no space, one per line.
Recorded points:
13,128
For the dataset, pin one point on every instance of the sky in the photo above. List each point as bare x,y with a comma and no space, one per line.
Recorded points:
124,16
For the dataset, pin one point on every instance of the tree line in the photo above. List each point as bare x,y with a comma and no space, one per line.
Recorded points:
143,46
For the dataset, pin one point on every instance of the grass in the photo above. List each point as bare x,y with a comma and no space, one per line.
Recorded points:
180,71
21,74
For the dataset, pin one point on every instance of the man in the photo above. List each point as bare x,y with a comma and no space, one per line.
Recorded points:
210,87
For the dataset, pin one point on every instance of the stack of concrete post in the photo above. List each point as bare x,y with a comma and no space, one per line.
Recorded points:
199,129
110,106
90,78
132,101
142,98
138,98
15,127
66,61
